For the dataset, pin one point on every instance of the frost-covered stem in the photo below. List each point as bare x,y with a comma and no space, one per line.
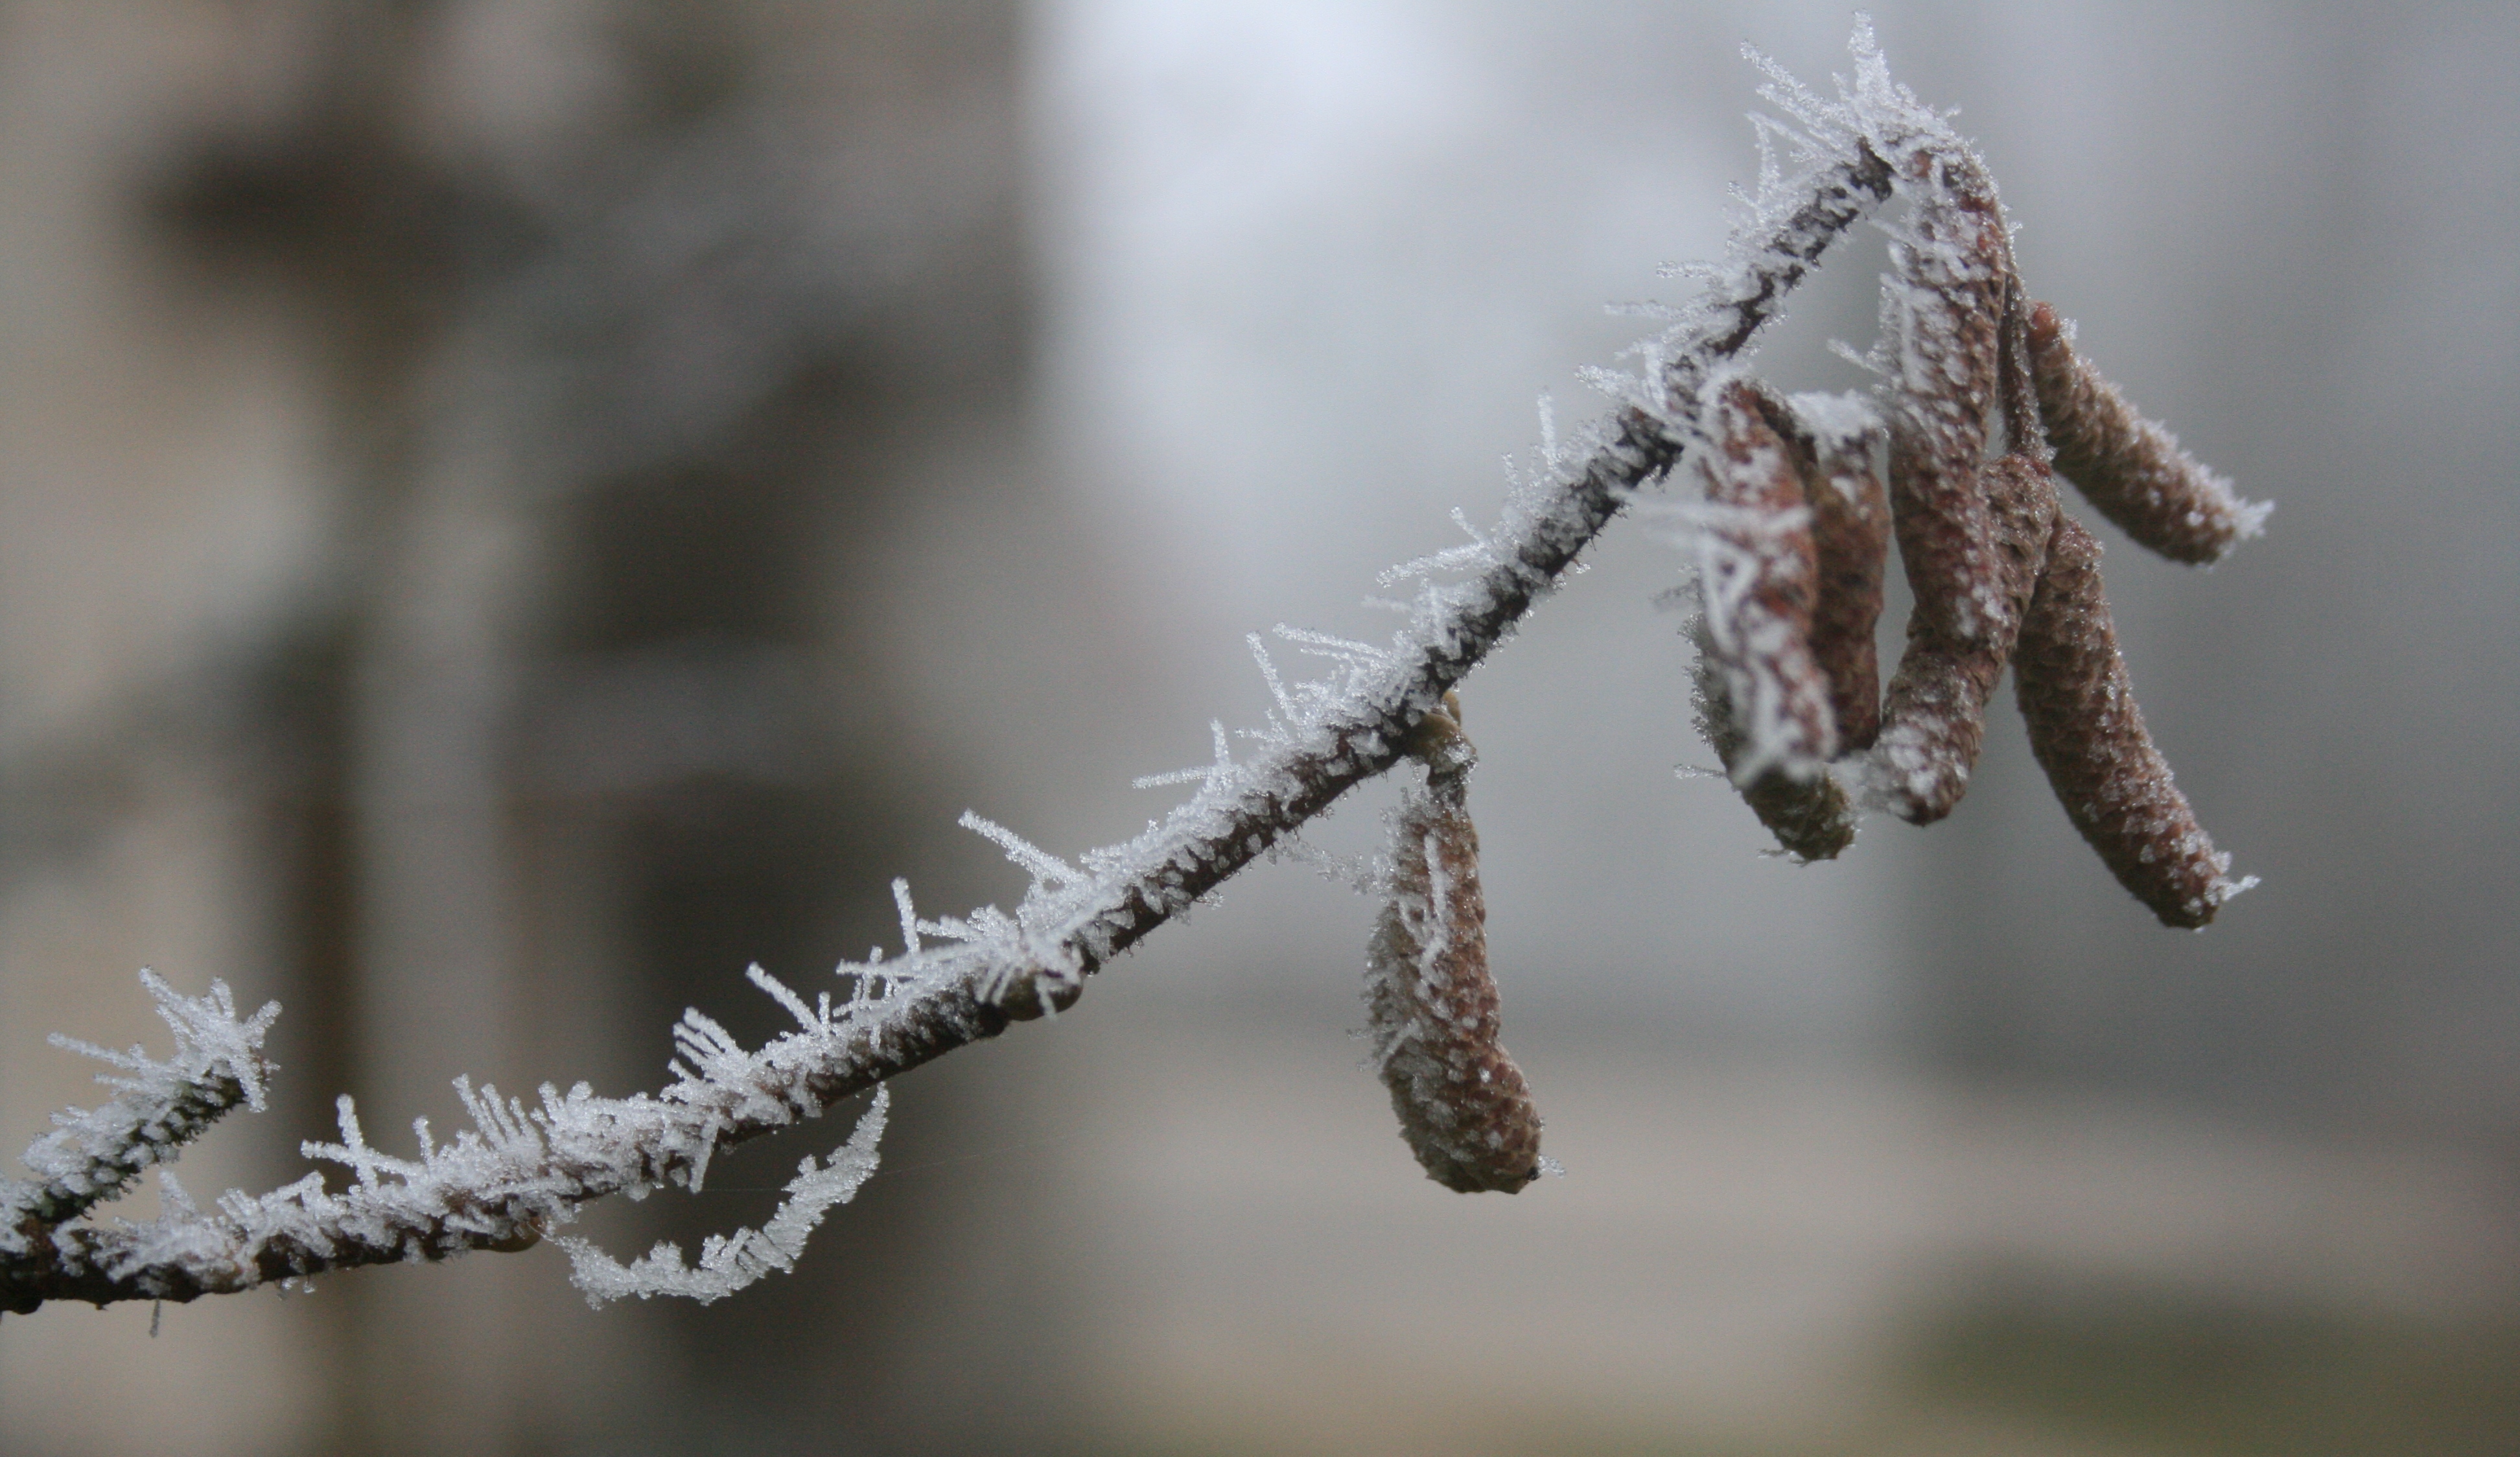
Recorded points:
524,1172
92,1156
142,1129
1363,738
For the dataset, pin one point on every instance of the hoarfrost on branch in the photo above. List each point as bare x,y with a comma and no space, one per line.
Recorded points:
523,1170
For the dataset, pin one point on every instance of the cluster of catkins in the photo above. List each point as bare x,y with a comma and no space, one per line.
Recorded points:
1985,403
1802,497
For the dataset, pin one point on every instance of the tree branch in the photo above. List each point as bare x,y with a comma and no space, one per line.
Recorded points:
521,1171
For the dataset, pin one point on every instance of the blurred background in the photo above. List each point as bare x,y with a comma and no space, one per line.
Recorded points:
513,509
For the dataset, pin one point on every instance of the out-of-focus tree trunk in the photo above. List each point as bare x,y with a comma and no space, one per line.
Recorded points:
626,335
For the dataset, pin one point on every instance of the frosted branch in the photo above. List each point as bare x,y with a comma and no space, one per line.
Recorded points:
730,1263
523,1171
93,1155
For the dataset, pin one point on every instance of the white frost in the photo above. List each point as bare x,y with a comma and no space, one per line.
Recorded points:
730,1263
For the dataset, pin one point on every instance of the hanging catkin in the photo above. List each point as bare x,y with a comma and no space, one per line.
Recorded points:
1934,721
1969,530
1845,443
1464,1109
1764,701
2130,468
2089,735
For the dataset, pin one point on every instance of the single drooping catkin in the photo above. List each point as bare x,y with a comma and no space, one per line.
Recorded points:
1758,576
1969,530
1934,719
1431,1005
2130,468
1941,305
1763,700
2089,735
1851,539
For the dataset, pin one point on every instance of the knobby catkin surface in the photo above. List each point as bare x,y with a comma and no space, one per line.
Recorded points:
1432,1012
1851,534
2130,468
2089,735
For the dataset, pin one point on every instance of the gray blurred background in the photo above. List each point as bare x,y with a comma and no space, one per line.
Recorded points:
517,508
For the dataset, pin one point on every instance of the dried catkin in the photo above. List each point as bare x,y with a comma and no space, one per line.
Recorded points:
1763,700
1464,1109
2130,468
1934,720
2089,736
